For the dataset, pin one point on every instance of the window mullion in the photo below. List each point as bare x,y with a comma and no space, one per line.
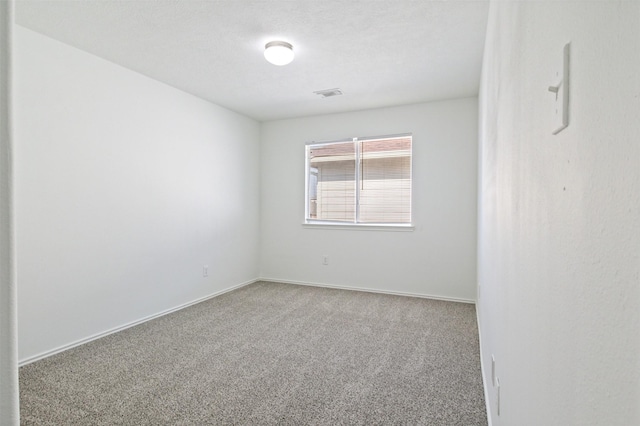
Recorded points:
357,180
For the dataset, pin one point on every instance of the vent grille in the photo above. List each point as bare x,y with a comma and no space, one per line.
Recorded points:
327,93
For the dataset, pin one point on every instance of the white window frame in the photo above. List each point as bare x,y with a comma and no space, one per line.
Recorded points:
324,224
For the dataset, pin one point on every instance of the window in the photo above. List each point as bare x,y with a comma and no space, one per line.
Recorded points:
359,181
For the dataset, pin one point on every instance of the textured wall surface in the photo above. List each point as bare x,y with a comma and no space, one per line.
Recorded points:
437,259
559,216
125,189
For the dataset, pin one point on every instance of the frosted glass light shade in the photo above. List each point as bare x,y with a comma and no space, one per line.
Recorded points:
278,52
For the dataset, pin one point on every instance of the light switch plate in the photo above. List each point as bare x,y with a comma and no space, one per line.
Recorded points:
560,91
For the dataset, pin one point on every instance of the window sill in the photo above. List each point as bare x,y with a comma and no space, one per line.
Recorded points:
360,227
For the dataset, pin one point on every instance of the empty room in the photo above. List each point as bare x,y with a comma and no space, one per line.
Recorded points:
357,212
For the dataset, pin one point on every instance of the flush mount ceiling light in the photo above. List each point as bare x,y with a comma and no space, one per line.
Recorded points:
278,52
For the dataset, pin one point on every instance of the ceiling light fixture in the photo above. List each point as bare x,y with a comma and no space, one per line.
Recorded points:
278,52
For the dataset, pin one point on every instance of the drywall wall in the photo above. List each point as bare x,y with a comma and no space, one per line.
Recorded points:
125,189
559,216
436,259
9,398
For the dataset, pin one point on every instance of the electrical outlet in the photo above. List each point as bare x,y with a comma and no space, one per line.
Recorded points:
493,369
497,396
205,271
325,260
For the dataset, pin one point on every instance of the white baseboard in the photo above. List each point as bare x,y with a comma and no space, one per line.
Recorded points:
482,372
370,290
79,342
63,348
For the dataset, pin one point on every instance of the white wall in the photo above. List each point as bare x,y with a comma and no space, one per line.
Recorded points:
559,240
438,258
125,188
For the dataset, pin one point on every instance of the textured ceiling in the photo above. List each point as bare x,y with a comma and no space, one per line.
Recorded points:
378,52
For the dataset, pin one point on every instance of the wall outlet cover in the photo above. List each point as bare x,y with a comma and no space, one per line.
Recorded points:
493,370
498,396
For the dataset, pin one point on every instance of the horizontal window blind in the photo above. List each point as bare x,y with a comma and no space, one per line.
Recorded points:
332,181
363,180
385,181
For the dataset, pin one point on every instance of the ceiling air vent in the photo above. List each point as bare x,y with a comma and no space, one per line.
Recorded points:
327,93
